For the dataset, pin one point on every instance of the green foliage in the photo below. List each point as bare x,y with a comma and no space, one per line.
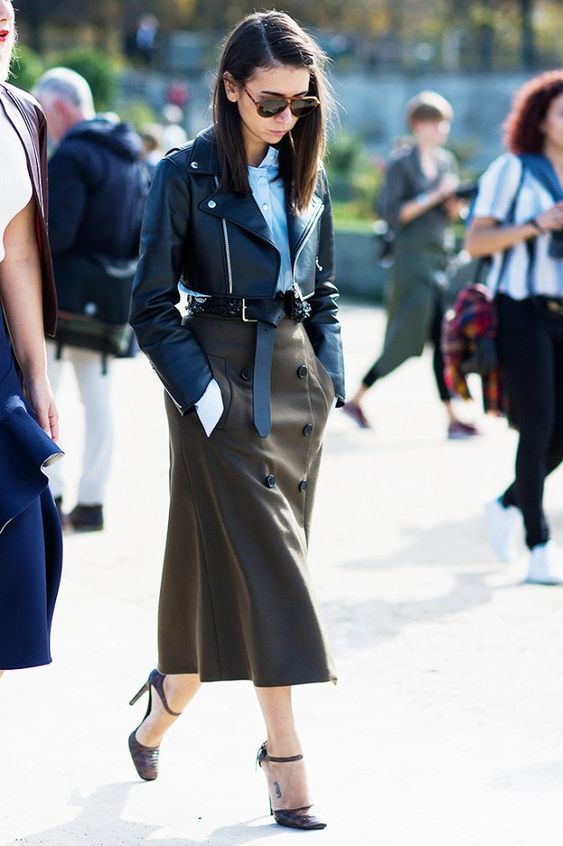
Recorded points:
97,69
138,113
355,180
27,67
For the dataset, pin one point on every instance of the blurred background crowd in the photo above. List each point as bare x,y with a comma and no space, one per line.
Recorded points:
152,63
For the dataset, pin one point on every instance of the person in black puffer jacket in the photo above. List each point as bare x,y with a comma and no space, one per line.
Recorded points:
98,185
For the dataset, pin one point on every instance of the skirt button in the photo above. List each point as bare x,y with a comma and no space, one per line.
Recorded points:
270,481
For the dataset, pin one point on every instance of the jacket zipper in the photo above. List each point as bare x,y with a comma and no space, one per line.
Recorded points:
227,247
305,238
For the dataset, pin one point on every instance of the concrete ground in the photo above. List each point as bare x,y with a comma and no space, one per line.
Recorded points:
446,726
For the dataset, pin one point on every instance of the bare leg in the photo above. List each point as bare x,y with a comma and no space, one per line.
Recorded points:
179,690
360,393
450,412
287,782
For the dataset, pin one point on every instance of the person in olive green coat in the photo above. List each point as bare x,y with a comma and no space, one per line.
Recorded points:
418,202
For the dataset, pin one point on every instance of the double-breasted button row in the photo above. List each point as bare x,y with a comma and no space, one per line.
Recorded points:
308,430
246,374
270,482
302,371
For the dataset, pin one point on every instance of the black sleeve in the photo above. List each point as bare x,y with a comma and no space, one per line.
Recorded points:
68,195
172,349
323,326
397,189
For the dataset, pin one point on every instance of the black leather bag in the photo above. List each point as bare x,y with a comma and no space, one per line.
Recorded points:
94,292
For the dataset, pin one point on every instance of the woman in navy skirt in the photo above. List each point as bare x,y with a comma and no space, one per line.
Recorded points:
30,531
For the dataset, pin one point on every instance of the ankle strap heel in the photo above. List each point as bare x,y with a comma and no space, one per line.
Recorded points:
289,817
145,758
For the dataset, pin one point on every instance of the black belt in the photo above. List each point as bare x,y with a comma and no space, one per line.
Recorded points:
267,314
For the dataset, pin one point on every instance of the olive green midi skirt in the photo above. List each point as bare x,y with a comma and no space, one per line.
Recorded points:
236,599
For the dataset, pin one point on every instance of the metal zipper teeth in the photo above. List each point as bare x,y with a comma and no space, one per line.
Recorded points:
227,247
304,241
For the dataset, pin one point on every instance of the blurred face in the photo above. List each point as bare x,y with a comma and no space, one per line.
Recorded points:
259,132
7,36
552,126
431,133
55,113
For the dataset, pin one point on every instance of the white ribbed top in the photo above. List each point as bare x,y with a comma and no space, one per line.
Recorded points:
15,183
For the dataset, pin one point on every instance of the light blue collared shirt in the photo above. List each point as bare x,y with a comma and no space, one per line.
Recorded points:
269,193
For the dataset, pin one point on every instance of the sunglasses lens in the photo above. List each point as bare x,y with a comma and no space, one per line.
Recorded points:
271,107
300,108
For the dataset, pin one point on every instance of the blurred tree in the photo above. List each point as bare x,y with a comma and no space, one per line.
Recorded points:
27,67
528,34
490,33
97,69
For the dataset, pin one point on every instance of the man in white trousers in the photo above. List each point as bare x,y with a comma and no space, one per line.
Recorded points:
93,210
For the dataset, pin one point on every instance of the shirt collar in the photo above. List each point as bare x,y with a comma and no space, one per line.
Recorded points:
270,160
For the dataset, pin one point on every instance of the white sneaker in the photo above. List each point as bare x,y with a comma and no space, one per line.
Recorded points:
546,566
505,529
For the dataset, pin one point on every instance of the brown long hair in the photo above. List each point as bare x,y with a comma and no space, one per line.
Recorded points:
522,133
267,40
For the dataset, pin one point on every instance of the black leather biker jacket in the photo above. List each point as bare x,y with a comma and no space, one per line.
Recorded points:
219,243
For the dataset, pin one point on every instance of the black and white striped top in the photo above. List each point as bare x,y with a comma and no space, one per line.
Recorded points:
497,188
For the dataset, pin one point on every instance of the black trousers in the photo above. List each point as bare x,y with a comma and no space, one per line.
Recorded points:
530,345
437,358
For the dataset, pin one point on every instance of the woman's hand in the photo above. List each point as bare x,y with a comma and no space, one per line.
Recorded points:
552,219
446,188
40,396
21,299
454,208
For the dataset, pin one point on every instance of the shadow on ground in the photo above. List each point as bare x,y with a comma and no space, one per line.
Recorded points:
359,624
101,823
545,775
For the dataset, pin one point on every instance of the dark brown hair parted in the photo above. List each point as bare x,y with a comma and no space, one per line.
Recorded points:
522,132
266,40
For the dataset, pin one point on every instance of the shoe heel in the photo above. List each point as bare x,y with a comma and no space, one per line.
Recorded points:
140,692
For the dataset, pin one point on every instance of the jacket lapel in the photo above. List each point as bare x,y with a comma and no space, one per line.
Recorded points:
240,209
298,225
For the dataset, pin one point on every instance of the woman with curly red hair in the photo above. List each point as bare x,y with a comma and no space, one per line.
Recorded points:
518,221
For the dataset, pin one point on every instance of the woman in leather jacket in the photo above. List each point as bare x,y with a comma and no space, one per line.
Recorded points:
30,531
241,216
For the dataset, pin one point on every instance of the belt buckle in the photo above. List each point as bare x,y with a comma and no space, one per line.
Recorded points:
243,316
555,306
301,308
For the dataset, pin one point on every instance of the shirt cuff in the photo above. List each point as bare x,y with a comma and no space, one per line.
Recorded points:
210,407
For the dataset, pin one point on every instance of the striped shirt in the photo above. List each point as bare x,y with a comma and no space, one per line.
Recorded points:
15,182
497,188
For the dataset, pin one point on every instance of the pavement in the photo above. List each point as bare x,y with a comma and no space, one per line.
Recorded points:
446,724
